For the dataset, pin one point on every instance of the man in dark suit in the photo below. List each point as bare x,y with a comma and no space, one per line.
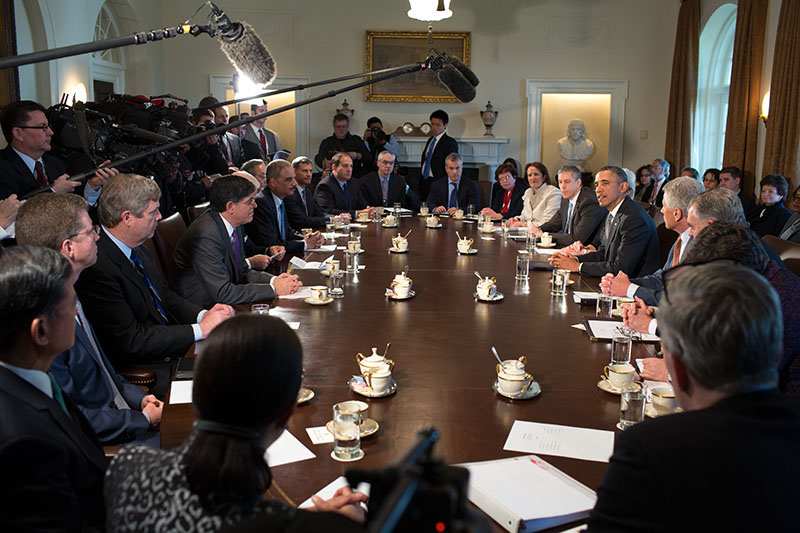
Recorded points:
25,164
452,192
721,333
270,226
259,142
137,318
791,230
507,191
343,141
678,195
731,178
51,461
338,194
628,241
118,411
386,188
659,177
438,147
229,143
301,208
210,258
579,217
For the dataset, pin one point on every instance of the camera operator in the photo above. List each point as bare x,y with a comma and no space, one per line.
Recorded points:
204,156
378,141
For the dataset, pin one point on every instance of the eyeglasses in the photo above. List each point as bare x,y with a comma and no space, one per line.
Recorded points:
385,162
89,231
505,177
248,200
44,127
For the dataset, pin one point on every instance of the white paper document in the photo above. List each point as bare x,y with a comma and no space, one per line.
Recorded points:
299,264
180,392
301,294
287,449
294,325
324,248
577,296
327,492
604,330
357,225
561,441
546,251
319,435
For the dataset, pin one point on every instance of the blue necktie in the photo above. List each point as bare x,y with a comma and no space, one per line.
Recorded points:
137,262
453,196
346,196
282,222
427,168
569,217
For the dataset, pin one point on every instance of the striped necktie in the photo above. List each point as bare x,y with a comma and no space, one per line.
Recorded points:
137,263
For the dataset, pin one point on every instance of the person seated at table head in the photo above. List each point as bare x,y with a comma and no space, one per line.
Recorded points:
50,457
721,331
541,200
134,313
678,194
210,258
270,225
627,242
453,192
507,193
245,389
771,215
579,217
385,187
337,194
117,410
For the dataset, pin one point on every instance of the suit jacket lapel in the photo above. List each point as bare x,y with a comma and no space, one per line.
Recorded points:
226,239
22,168
127,269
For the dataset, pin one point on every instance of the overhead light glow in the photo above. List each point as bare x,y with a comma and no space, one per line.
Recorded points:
429,10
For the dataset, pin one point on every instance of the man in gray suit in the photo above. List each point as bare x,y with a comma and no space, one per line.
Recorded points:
210,256
791,230
229,144
259,142
678,194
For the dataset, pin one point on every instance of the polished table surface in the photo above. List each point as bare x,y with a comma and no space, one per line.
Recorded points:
441,343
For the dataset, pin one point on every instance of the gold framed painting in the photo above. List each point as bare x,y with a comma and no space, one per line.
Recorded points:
387,49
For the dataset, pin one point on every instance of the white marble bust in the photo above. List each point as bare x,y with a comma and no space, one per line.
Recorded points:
575,148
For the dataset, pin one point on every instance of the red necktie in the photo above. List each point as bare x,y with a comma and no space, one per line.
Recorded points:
676,253
506,201
305,201
653,195
263,142
41,179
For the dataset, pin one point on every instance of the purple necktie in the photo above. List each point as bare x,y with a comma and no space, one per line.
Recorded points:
237,254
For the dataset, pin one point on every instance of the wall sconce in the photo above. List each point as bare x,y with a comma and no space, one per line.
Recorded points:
765,109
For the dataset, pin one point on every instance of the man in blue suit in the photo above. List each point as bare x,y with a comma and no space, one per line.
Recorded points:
270,225
337,194
118,411
453,192
301,208
678,195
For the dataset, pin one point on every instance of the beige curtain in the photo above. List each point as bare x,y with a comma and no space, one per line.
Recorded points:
783,126
683,88
744,96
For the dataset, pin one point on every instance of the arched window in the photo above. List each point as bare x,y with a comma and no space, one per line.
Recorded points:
713,84
108,66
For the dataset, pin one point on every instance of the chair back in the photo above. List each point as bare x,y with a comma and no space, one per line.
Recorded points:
788,251
168,232
485,188
151,247
193,211
666,238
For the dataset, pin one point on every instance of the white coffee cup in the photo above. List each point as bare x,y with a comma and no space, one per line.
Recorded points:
663,399
401,243
512,377
379,380
486,289
620,373
459,214
464,245
353,246
423,210
547,239
319,293
432,221
402,289
390,220
332,265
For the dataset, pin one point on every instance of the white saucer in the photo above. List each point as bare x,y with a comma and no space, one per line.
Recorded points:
439,225
304,395
533,391
311,301
605,385
468,221
327,273
356,458
540,245
386,226
390,293
369,427
471,251
394,250
368,392
497,297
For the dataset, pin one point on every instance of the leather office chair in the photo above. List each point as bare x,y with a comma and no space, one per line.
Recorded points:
168,231
192,212
666,238
788,251
151,247
485,188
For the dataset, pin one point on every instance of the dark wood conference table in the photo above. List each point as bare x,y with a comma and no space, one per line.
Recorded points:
441,341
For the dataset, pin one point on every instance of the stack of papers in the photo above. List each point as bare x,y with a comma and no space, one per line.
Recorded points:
299,264
324,247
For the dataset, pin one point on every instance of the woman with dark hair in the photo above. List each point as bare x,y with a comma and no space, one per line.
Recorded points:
771,213
245,388
795,203
507,194
541,201
515,164
643,179
711,178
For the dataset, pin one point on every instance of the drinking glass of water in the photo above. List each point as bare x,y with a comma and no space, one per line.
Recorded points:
631,407
346,432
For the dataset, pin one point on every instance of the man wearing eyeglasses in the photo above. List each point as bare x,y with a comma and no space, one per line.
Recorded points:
210,256
386,187
25,164
118,411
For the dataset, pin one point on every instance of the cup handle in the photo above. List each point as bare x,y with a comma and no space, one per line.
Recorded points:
605,371
497,368
529,380
390,362
368,378
359,357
